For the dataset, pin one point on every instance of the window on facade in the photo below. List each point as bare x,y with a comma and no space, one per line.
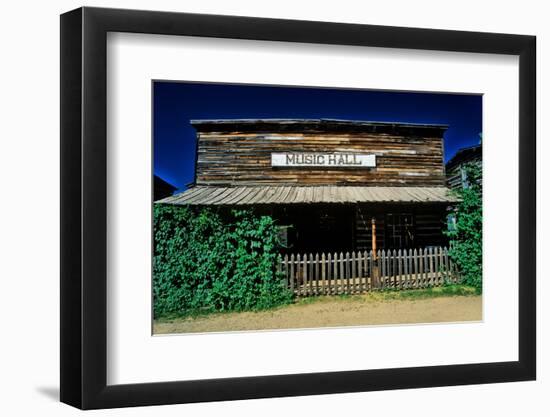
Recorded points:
399,231
283,235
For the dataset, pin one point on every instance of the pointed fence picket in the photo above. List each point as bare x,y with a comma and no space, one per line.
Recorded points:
352,273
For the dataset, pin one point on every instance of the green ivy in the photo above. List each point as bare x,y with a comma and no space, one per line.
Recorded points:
204,261
466,237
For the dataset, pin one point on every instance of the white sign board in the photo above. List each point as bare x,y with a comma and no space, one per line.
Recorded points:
336,160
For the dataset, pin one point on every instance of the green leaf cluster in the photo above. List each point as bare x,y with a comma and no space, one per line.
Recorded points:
205,261
466,237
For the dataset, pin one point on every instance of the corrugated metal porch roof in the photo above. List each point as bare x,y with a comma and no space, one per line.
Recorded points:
247,195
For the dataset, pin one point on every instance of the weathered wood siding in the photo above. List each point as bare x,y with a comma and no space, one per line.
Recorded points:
244,158
456,177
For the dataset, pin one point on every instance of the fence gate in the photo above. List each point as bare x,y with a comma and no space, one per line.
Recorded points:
359,272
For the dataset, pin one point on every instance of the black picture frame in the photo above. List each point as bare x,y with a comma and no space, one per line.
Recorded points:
84,207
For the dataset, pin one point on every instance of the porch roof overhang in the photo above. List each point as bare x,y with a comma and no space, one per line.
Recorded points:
251,195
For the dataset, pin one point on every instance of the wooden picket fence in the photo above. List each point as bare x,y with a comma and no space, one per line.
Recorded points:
359,272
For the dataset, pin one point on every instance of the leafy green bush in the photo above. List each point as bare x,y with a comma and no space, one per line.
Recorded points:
466,248
206,262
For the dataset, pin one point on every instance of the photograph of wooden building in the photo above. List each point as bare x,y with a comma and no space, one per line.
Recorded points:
306,207
328,183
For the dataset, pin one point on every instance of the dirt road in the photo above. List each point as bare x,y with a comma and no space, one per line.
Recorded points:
333,312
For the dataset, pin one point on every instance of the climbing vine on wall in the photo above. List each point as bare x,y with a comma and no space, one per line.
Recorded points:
205,261
466,236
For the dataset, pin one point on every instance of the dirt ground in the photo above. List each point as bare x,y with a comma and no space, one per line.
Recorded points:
333,312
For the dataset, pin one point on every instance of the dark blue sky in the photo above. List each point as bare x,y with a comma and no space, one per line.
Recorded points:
175,103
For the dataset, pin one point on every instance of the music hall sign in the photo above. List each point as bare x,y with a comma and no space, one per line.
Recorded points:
334,160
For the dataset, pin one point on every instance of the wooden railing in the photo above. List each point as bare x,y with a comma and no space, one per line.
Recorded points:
359,272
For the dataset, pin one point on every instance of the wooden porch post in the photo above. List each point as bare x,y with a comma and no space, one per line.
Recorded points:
375,278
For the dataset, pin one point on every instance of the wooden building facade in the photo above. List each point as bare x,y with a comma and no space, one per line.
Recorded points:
328,183
456,174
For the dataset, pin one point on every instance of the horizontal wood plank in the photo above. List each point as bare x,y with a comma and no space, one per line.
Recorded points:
244,158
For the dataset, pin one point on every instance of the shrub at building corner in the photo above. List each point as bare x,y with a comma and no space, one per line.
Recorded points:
203,262
466,235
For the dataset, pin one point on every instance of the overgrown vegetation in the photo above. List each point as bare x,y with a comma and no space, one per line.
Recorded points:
389,294
204,262
431,292
466,235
